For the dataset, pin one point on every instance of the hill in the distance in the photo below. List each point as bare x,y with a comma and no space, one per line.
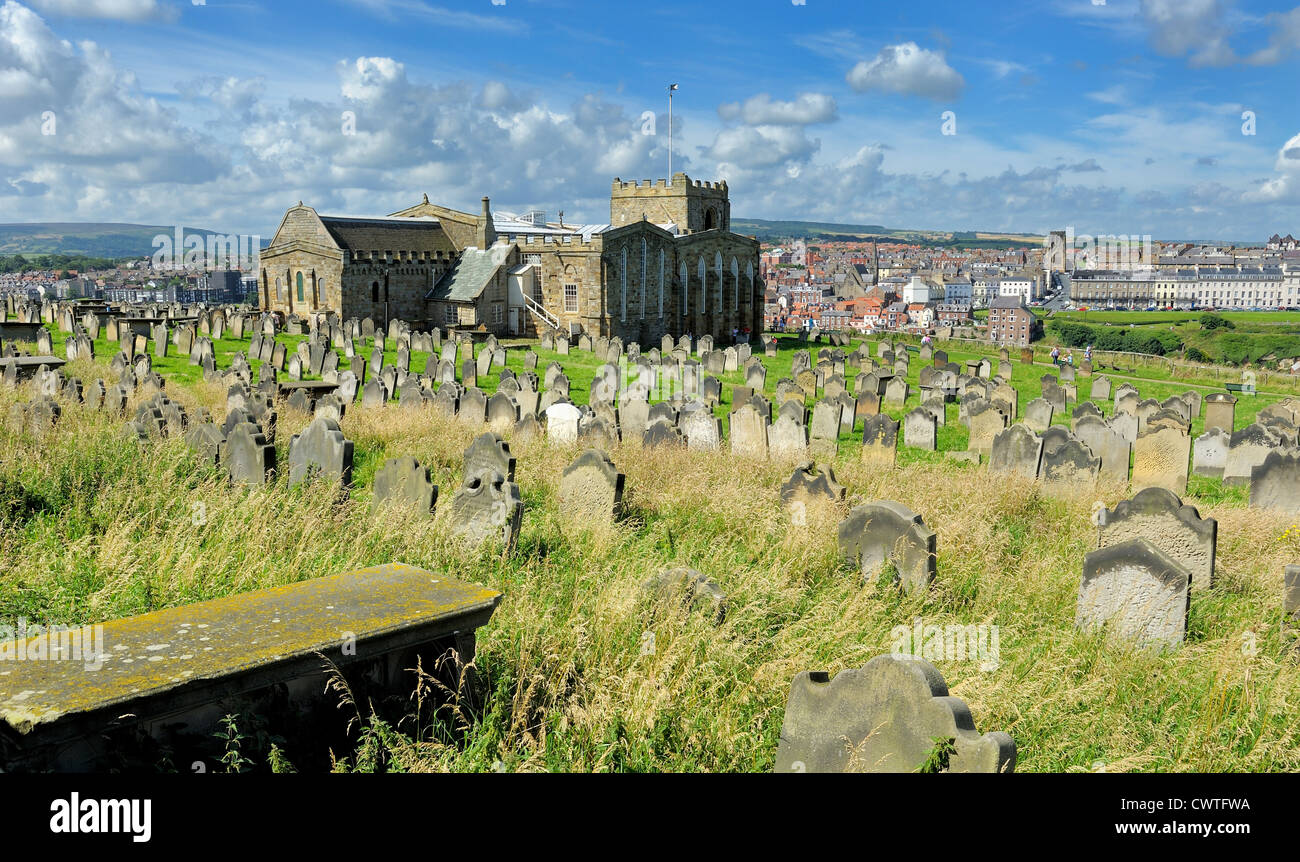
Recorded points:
93,239
767,230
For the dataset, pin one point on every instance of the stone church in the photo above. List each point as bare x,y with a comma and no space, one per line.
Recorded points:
666,263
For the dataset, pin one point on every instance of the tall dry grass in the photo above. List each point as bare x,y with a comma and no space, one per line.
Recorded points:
94,526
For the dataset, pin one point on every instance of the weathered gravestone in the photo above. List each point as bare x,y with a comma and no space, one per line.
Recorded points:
320,451
809,490
488,453
884,717
249,458
1220,408
1106,444
748,431
879,441
591,490
1247,449
562,421
986,420
1137,591
1275,484
887,532
920,429
1160,460
486,507
1210,452
404,482
1160,517
1016,450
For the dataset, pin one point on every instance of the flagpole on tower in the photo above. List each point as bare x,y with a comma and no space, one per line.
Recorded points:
671,88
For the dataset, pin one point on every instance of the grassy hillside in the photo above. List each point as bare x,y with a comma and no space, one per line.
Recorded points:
93,239
93,528
1226,338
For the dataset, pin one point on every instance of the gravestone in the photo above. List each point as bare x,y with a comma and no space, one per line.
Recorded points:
562,422
1210,452
1247,449
787,438
487,507
404,482
1070,464
748,431
1137,591
320,451
986,421
810,489
1017,450
1160,517
920,429
1160,460
591,489
488,453
249,458
885,531
1275,484
702,430
662,432
1219,410
1111,447
825,429
883,717
879,441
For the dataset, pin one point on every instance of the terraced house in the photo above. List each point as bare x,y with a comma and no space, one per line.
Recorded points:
667,262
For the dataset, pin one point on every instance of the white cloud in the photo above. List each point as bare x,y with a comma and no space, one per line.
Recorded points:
908,69
1284,188
120,10
761,110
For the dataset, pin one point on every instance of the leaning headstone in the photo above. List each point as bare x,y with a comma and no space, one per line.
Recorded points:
884,717
880,532
1137,592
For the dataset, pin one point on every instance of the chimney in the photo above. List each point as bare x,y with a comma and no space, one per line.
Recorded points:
486,234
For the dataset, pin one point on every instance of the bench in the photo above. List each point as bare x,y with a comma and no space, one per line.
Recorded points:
136,691
1243,388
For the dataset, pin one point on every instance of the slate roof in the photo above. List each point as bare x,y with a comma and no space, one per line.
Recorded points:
475,269
359,233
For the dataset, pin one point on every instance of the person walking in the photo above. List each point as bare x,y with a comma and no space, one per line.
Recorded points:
1056,356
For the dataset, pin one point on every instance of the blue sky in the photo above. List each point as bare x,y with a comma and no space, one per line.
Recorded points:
1116,117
